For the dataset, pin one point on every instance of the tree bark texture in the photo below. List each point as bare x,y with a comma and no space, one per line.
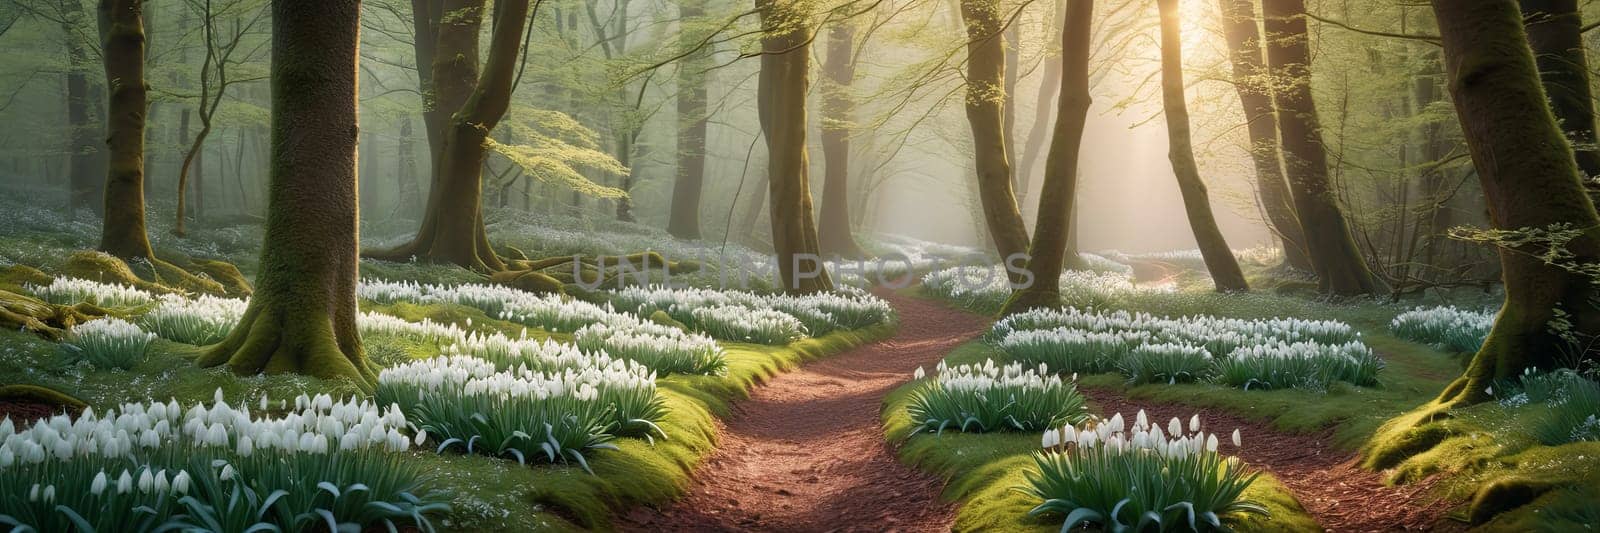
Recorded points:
122,44
838,110
684,220
784,82
985,102
1555,31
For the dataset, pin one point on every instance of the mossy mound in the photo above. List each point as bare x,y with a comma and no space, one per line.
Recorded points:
158,276
13,278
38,394
528,280
224,273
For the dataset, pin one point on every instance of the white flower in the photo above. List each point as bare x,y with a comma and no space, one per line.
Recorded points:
1236,440
1211,443
1050,440
245,446
1194,424
33,493
1175,427
124,483
422,436
146,481
7,458
49,493
99,484
919,374
180,482
227,473
161,481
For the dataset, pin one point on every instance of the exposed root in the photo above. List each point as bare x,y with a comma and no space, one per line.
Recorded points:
158,276
46,320
278,341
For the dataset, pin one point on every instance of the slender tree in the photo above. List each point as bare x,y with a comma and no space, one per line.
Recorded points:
452,227
1243,34
784,80
1214,248
1053,229
87,179
1337,262
985,102
1555,31
838,108
214,82
1044,113
303,316
122,48
693,70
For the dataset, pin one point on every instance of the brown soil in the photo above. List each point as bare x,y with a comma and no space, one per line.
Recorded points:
1328,483
22,413
806,452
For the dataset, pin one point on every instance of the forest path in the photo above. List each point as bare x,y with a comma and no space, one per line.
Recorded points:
1152,272
1329,483
806,452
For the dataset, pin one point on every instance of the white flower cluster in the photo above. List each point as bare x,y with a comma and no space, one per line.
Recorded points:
1115,436
69,291
979,378
199,321
820,313
1461,330
739,323
1220,335
317,424
108,343
467,375
989,287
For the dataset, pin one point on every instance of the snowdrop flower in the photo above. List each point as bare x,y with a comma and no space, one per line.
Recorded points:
422,436
245,447
1050,440
124,483
1116,423
1175,427
1236,441
180,482
919,374
1211,443
1194,424
33,493
227,473
146,481
161,481
7,457
98,486
1141,421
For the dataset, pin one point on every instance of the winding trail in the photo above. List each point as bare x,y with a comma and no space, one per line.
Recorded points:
806,452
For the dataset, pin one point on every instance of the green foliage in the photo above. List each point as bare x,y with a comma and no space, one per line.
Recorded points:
551,147
107,343
1452,329
1166,363
976,399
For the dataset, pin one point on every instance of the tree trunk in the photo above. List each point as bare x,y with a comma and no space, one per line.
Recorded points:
302,317
86,184
122,44
1255,94
985,102
452,228
1530,180
1214,248
1043,113
1053,230
785,80
838,108
410,188
1013,36
684,222
1555,31
1337,262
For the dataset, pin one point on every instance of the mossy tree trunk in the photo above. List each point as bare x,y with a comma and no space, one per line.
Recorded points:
302,318
684,220
784,81
1255,94
838,109
452,228
1053,229
1340,268
1555,31
985,102
122,48
410,188
1530,180
1214,247
87,181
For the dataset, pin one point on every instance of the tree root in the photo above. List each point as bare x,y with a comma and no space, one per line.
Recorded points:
46,320
269,340
159,276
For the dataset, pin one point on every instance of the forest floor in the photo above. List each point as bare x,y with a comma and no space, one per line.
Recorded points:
806,451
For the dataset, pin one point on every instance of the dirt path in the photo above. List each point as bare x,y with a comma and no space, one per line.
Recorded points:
1329,484
806,452
1148,272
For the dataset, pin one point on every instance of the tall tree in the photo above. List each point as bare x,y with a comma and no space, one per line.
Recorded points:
1053,229
985,102
693,69
302,318
1337,262
452,227
214,82
1214,248
784,81
122,49
1043,115
1555,31
1243,34
838,108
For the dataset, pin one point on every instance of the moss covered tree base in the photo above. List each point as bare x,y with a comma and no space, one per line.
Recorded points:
274,340
159,276
40,318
